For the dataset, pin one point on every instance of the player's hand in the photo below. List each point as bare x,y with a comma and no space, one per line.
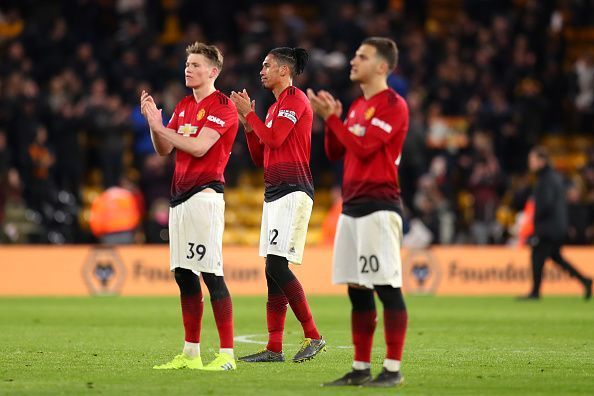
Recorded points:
153,116
324,104
146,101
243,103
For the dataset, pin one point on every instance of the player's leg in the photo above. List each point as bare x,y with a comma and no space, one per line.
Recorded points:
540,252
222,309
561,262
395,324
192,307
363,322
363,313
276,312
277,268
379,237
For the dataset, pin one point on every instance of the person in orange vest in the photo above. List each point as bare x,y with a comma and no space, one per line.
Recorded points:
114,216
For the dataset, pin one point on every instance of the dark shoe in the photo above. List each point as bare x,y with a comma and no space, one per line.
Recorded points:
529,297
588,289
354,378
309,349
263,356
386,379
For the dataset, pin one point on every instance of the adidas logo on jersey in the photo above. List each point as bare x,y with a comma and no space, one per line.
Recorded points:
182,113
216,120
384,126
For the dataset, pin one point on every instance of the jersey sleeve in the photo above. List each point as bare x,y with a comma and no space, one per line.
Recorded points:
334,148
173,121
221,117
289,112
384,126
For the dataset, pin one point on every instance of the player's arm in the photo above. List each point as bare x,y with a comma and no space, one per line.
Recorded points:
162,147
196,147
383,127
288,114
334,148
255,147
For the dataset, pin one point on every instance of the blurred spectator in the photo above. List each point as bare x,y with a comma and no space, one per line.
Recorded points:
115,216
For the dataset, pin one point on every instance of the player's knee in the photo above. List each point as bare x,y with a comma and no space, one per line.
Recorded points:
217,288
361,298
187,281
277,267
391,297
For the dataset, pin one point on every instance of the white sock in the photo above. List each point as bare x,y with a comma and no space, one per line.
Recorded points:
392,365
357,365
228,351
191,349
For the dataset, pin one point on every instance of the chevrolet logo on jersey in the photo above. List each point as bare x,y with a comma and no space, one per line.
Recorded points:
357,130
187,130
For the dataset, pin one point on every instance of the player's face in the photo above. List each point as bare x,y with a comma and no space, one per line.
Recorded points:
365,64
198,71
270,74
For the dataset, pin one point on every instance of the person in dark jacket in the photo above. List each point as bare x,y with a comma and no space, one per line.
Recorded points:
550,222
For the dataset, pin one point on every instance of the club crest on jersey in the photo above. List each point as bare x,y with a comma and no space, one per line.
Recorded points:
200,114
369,113
187,130
357,130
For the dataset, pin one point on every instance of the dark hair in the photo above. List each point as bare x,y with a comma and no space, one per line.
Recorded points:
295,58
542,153
386,48
210,52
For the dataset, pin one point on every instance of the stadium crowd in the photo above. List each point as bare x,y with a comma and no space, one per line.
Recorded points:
482,90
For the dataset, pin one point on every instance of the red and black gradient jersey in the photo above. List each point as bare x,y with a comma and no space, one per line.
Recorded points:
370,142
282,144
194,174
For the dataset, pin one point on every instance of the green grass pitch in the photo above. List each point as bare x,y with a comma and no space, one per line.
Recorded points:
455,346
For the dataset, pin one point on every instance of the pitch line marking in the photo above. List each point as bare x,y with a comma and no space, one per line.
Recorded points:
247,339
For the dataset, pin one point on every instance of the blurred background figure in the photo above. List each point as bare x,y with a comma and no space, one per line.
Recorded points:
115,215
550,223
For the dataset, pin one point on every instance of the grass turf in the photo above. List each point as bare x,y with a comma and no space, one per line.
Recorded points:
455,346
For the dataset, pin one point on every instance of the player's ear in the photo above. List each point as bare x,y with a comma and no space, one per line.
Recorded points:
284,70
382,67
214,72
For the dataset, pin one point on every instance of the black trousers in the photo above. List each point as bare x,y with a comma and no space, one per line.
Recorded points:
540,253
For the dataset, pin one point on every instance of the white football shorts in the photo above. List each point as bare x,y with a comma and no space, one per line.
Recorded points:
284,226
196,234
367,250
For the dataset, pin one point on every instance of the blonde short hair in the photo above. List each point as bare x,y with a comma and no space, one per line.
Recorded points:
210,52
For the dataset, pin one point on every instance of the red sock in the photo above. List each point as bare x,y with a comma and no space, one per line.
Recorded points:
192,308
395,322
276,311
362,328
298,302
223,314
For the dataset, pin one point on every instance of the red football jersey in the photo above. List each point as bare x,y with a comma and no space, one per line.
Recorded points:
193,174
370,141
282,144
